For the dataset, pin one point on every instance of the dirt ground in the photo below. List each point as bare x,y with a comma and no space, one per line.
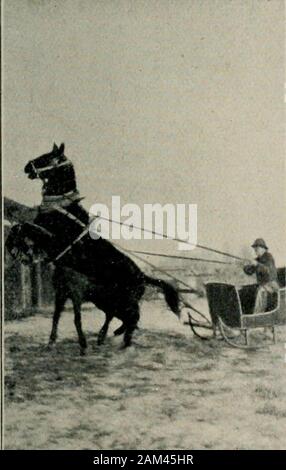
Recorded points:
168,391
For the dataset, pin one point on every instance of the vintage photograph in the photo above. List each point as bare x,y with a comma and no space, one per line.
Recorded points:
143,225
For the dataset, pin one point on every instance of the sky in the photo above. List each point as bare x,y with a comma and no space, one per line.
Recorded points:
157,102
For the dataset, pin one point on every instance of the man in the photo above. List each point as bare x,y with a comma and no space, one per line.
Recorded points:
266,275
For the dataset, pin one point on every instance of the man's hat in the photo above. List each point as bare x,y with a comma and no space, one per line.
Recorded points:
260,242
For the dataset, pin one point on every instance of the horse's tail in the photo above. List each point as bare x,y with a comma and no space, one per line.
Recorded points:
170,293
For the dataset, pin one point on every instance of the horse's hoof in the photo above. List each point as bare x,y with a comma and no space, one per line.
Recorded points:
126,345
118,332
50,346
83,352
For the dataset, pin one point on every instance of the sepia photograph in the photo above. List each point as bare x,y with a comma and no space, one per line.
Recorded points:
143,227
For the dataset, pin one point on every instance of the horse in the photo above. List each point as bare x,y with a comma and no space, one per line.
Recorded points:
113,281
70,284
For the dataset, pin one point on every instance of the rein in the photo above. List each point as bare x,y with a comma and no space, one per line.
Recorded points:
162,255
163,271
163,235
81,235
68,248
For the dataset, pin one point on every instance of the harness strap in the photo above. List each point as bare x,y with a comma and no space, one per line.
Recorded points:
69,215
35,169
81,235
164,271
58,197
49,167
68,248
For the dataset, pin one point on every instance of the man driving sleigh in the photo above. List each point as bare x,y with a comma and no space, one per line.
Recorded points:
266,275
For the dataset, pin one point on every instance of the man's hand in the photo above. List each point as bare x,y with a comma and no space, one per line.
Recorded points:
249,269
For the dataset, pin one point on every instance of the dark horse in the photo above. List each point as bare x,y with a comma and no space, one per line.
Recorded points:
112,281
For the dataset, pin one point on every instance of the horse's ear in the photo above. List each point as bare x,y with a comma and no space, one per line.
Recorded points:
61,149
55,148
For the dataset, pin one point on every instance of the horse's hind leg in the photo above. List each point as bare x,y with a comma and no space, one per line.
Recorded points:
59,306
120,330
103,332
132,318
77,322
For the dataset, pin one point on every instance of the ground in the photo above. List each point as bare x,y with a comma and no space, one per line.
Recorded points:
168,391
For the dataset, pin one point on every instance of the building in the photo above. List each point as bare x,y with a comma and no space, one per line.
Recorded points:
27,289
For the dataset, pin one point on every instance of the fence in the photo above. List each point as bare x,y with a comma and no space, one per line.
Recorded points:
27,289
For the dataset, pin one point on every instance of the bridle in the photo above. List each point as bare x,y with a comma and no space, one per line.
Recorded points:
38,171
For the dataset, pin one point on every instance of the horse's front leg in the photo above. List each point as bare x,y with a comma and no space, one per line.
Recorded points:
103,332
77,322
59,306
132,318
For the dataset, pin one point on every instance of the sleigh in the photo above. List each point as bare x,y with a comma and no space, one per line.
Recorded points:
231,310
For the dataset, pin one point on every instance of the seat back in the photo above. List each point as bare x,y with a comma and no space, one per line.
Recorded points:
247,295
281,274
280,314
272,301
224,302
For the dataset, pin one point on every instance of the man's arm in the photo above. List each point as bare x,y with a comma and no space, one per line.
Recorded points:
265,263
260,267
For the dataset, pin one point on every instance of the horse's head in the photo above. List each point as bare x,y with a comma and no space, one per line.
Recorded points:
36,168
23,244
19,246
